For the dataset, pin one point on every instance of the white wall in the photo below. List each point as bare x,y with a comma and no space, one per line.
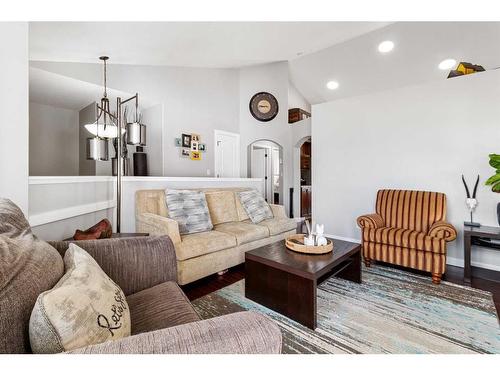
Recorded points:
14,111
53,146
194,100
59,205
420,137
296,99
272,78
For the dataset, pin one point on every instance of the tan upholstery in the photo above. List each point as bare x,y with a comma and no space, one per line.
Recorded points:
196,244
193,269
244,232
278,225
222,206
409,229
161,306
151,201
202,254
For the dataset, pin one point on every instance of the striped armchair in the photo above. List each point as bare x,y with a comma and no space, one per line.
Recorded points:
408,229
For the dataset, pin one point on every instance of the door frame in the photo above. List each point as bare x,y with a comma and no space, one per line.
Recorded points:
216,164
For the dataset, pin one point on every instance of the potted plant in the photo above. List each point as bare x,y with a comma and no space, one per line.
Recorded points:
494,180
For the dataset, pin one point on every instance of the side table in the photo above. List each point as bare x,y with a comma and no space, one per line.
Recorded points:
480,236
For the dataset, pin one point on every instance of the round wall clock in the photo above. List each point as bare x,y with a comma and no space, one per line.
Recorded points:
263,106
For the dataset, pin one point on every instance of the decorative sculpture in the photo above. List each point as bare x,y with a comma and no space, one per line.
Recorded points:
320,238
471,202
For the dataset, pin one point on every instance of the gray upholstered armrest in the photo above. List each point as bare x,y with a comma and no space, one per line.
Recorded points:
239,333
134,263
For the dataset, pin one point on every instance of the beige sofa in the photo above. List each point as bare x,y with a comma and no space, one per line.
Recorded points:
202,254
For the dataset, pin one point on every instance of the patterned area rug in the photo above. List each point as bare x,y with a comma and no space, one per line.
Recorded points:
392,311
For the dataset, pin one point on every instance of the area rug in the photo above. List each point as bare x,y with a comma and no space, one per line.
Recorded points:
392,311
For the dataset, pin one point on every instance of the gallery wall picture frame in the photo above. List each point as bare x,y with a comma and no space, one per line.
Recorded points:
202,147
185,153
195,155
195,137
178,142
194,146
186,140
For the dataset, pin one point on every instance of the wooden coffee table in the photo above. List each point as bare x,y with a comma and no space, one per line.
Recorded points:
286,281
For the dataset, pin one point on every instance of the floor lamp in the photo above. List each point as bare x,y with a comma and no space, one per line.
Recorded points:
109,126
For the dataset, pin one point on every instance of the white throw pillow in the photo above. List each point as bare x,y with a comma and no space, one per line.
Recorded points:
84,308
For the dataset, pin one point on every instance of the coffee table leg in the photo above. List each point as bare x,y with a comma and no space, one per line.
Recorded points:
283,292
353,271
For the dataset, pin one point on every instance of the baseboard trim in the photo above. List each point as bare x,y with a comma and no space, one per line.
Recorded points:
69,212
449,260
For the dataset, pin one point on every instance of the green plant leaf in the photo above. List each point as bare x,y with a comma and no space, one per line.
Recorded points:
493,179
495,163
496,187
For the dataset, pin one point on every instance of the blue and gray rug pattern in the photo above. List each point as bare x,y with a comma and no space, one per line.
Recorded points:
392,311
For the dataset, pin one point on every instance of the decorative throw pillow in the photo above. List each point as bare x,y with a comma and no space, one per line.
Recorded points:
84,308
255,206
189,209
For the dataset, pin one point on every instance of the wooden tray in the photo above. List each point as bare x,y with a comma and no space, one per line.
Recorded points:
296,243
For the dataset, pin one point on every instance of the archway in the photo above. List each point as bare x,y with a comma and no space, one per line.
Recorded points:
302,181
265,160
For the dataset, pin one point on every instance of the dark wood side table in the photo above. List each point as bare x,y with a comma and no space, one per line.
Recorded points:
120,235
480,236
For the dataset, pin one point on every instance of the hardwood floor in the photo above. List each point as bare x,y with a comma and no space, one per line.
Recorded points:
482,279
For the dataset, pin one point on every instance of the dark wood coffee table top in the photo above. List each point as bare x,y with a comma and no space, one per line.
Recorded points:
312,267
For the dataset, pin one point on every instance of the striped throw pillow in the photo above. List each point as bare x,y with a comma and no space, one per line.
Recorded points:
189,209
255,206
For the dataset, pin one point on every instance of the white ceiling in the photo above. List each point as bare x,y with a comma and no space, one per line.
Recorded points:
194,44
66,92
419,47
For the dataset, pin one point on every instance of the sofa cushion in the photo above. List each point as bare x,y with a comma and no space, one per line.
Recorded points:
255,206
279,225
222,206
407,238
244,232
161,306
196,244
84,308
28,267
189,208
242,214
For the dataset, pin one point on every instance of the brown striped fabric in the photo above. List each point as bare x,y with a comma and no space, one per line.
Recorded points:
409,229
411,209
404,238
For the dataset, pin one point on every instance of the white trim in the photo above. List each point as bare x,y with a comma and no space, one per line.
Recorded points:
47,180
188,179
460,263
238,153
66,213
449,260
355,240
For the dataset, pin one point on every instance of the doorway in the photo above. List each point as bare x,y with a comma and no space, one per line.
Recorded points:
265,160
227,154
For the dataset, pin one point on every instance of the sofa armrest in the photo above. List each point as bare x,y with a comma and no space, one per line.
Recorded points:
159,226
370,221
134,263
239,333
443,230
278,211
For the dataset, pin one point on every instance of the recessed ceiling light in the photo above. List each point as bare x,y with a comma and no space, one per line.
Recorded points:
332,85
386,46
447,64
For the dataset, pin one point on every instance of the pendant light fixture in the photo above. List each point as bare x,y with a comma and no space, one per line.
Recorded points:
110,125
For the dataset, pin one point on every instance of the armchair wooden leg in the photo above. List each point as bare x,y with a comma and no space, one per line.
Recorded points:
368,262
436,278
